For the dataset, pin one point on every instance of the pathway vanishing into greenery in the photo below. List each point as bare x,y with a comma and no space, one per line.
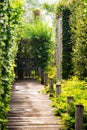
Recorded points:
30,110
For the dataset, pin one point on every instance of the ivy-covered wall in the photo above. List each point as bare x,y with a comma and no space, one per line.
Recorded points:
74,37
78,22
67,67
10,13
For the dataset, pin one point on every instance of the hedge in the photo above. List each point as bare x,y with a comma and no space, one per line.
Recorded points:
10,13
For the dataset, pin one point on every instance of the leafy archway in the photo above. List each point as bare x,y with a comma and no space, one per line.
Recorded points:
35,49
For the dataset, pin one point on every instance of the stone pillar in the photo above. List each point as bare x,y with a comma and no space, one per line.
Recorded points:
79,117
69,100
51,85
45,79
58,89
59,49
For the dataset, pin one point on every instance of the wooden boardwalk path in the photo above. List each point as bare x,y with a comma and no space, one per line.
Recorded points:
30,110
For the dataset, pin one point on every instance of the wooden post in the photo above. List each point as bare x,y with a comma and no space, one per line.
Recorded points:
42,76
45,79
39,71
79,117
58,89
51,85
69,99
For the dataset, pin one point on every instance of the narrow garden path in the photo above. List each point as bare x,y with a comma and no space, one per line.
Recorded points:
30,110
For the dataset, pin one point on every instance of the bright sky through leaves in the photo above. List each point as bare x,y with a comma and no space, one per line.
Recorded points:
48,18
48,1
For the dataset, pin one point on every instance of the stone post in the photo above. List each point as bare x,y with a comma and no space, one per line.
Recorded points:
58,89
69,100
45,79
59,48
51,85
79,117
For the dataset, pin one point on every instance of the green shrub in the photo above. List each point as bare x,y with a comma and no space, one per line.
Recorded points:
78,89
69,121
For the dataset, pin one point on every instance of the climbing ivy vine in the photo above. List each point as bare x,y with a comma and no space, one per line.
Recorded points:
67,66
78,24
10,14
